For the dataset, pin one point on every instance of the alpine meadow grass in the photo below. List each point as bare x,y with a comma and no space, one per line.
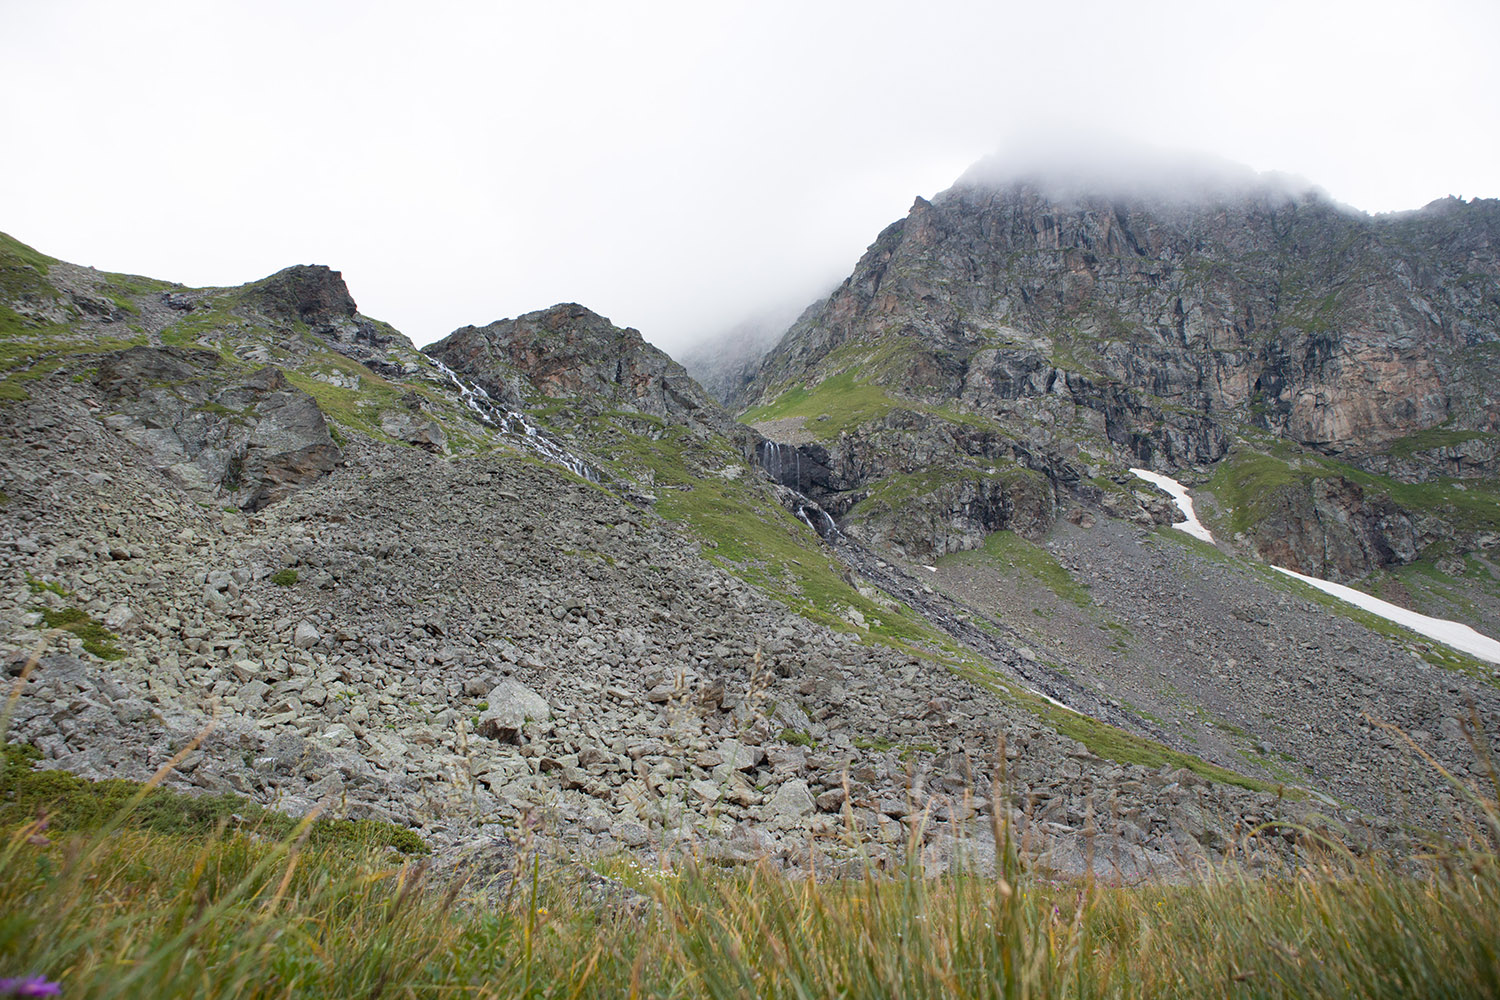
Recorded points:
97,904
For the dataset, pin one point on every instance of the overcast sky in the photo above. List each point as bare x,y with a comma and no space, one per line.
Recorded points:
674,166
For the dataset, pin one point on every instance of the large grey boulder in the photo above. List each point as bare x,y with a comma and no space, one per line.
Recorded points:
512,705
792,803
257,437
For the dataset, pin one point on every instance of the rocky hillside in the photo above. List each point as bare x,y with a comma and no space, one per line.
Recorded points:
1009,347
545,587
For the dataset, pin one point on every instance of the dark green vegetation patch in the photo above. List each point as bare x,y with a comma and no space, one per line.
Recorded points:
74,804
97,639
1020,555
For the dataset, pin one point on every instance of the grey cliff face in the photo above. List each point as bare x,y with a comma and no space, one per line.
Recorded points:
1093,331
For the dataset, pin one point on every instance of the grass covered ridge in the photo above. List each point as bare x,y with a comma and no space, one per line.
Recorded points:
833,405
860,383
1019,555
746,532
32,349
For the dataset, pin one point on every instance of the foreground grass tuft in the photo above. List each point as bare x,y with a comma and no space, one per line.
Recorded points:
72,804
128,910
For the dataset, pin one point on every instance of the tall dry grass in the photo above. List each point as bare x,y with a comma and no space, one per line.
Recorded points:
115,910
139,914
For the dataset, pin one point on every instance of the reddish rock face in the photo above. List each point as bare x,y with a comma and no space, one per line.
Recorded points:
568,351
1366,396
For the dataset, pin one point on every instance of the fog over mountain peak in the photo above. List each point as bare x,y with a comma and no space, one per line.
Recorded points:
1066,168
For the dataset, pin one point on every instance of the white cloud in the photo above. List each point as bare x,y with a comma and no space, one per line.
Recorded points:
674,166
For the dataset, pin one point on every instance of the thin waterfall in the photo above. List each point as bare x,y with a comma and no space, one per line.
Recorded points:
516,424
773,456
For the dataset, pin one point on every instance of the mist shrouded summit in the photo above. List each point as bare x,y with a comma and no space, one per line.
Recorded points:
1065,167
1057,315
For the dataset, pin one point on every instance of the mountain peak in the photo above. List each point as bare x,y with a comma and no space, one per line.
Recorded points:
570,351
310,293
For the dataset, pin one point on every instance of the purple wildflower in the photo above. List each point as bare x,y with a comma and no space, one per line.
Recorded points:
30,986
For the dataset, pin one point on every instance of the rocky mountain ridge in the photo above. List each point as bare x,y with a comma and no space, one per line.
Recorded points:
1051,338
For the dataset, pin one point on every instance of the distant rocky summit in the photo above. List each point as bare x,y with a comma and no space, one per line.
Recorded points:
569,352
1336,372
725,363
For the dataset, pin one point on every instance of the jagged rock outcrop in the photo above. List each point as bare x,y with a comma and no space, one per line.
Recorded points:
316,296
256,438
307,293
1331,529
570,353
1096,328
924,486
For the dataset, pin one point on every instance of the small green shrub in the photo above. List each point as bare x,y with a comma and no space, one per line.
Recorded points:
97,639
366,833
912,750
45,586
284,578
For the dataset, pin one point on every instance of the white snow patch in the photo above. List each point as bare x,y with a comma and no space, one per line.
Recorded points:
1456,634
1047,697
1179,493
1461,637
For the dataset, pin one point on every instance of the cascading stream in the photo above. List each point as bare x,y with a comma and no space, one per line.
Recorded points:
516,424
783,463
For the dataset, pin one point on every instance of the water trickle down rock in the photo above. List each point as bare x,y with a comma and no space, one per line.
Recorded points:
516,424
